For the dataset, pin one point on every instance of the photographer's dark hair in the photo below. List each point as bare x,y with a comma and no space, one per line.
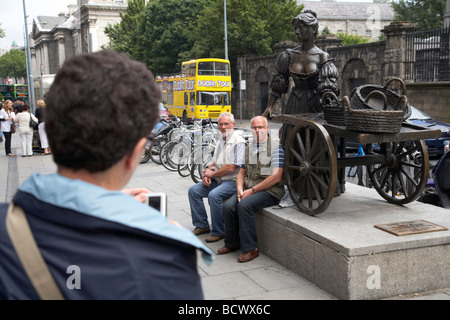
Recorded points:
98,108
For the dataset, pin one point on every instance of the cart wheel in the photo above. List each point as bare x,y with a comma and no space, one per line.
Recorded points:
311,167
403,178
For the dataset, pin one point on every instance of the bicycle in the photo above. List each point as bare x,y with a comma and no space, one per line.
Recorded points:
162,132
180,153
209,136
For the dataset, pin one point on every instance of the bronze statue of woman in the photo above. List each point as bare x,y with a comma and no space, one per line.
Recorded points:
310,68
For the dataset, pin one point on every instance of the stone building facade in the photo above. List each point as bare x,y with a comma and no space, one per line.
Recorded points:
356,18
54,39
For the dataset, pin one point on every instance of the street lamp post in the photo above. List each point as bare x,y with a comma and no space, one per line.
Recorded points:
29,70
225,24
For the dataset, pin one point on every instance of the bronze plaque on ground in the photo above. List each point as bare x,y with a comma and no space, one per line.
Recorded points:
410,227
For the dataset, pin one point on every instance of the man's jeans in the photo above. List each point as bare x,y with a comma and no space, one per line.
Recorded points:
240,225
216,193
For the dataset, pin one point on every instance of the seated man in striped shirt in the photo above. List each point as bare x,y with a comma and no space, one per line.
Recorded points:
259,184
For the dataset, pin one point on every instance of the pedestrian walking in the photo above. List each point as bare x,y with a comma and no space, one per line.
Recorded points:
40,114
25,131
7,125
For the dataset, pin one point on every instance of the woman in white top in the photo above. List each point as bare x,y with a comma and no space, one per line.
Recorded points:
25,131
6,120
40,114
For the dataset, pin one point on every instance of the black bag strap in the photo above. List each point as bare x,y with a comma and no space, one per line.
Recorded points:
35,267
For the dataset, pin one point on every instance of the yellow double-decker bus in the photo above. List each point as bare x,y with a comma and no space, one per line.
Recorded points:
202,90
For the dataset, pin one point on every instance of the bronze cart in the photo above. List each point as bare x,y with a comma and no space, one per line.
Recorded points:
315,161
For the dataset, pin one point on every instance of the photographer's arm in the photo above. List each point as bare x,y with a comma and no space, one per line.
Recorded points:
137,193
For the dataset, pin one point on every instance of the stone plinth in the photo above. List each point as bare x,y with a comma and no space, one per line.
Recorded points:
341,251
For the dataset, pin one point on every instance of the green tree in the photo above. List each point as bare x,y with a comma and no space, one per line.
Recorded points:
254,27
325,31
350,39
13,64
428,14
124,36
2,32
162,33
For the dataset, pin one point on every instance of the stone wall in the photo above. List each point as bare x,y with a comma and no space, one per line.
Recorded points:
432,98
358,65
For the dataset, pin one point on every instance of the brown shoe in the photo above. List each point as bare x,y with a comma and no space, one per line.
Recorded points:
212,238
225,250
198,231
248,256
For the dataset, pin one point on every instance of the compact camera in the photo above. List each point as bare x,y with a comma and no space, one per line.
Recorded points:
158,200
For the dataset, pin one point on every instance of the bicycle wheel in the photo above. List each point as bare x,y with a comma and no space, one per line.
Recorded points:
156,149
185,165
196,173
146,155
201,163
171,153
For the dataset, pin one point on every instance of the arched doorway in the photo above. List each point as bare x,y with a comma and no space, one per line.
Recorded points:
355,74
262,78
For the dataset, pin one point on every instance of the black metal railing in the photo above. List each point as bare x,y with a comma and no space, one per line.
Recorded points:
428,55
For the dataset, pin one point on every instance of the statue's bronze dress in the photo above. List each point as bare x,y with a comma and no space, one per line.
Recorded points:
308,87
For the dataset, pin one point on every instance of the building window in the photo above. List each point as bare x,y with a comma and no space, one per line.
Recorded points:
368,33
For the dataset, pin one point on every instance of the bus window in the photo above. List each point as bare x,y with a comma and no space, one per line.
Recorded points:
184,70
192,69
170,92
221,69
213,68
192,98
206,68
213,98
186,99
7,92
14,92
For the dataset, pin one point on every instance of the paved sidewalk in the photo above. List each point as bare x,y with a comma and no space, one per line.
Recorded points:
225,279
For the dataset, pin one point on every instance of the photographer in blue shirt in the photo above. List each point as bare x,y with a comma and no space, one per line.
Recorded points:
98,241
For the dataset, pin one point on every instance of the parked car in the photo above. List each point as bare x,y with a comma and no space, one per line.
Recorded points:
419,118
435,146
163,112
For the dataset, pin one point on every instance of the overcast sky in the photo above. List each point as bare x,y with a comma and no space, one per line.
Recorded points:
12,19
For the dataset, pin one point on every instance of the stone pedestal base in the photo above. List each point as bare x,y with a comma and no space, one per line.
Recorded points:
341,251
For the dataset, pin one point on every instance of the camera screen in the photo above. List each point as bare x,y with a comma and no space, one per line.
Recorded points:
155,202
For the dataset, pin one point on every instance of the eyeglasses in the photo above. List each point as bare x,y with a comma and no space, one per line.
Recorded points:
259,127
150,140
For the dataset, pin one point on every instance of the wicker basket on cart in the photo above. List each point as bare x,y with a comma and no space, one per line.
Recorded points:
358,97
333,109
372,119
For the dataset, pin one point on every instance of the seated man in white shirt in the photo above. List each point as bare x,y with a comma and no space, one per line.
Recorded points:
219,180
